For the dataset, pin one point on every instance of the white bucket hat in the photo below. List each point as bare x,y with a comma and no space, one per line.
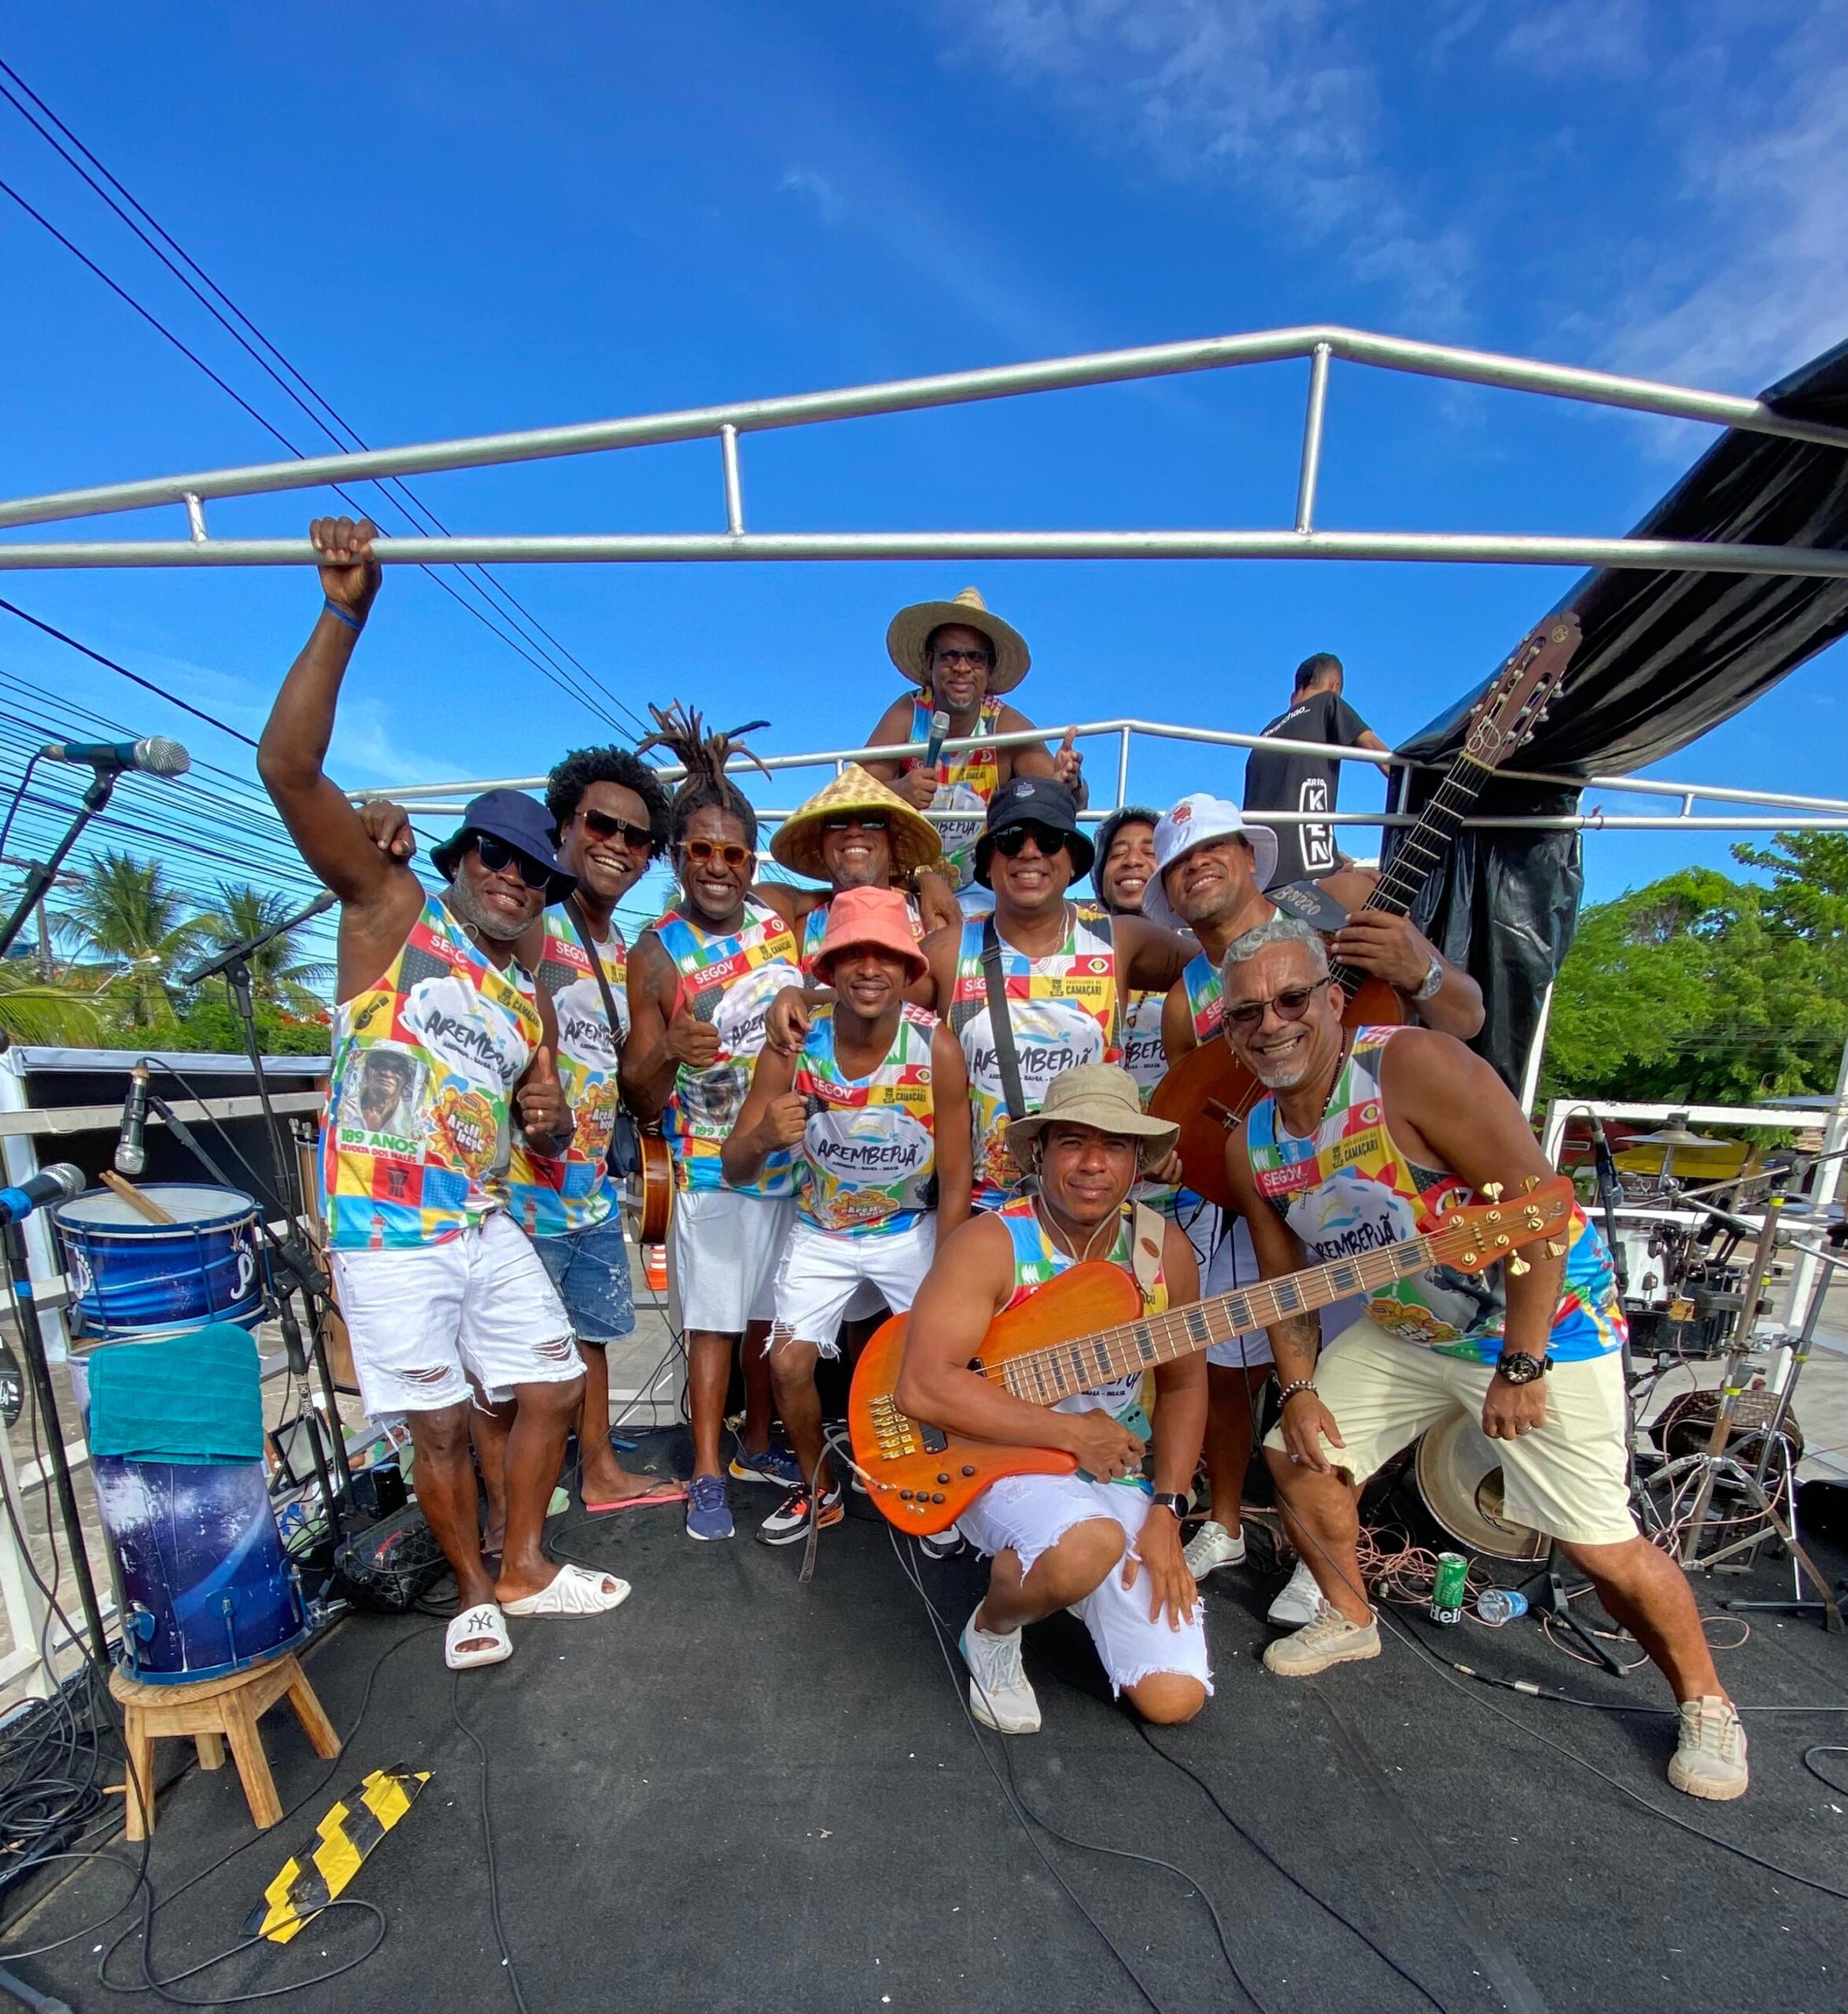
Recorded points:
1198,818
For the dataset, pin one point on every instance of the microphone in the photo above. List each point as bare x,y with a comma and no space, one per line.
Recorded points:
56,1184
131,1158
939,734
154,755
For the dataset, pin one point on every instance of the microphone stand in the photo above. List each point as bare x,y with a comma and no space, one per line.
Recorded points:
40,875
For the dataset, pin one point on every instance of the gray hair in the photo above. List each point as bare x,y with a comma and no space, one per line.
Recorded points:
1279,930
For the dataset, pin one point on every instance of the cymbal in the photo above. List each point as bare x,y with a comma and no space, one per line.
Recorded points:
1675,1136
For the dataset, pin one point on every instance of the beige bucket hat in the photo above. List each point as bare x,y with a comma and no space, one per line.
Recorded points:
911,628
1100,1094
797,843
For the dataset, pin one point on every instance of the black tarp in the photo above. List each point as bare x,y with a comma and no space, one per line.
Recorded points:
1665,657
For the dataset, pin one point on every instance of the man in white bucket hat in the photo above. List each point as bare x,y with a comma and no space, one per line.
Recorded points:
1212,870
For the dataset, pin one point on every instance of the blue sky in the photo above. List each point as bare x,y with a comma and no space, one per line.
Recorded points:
464,218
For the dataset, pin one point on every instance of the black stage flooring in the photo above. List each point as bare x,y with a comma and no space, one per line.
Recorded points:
740,1792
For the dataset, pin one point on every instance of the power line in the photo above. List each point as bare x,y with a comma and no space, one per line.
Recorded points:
485,581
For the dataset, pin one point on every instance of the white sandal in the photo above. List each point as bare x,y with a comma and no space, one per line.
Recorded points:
484,1619
573,1592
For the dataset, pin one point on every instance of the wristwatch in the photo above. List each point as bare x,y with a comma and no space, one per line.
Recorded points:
1171,1500
1520,1367
1433,980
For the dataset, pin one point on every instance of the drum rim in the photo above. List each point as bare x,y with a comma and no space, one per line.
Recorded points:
139,1228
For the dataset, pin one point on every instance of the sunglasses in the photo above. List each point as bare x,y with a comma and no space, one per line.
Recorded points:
976,660
865,821
600,825
497,857
1291,1005
703,853
1049,839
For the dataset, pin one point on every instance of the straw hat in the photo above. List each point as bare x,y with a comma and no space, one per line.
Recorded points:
797,844
1100,1094
911,628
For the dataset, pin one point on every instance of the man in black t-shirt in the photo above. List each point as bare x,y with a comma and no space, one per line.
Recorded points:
1275,780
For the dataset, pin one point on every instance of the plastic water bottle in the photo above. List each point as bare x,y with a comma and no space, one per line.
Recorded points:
1500,1604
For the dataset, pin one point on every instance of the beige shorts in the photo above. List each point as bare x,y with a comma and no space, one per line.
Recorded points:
1567,1478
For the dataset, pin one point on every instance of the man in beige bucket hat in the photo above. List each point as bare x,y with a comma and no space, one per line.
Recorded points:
962,657
1106,1540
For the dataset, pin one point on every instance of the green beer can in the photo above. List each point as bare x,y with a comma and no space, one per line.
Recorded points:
1446,1591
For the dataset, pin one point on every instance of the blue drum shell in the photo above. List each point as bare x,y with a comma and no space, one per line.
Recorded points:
134,1279
206,1588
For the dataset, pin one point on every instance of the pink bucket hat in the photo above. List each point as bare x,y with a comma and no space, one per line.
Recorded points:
876,919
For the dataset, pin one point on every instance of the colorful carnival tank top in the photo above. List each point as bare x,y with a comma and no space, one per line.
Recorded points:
966,782
1347,1189
425,1061
1037,1260
1205,996
868,1161
730,981
815,928
547,1197
1063,1009
1146,1060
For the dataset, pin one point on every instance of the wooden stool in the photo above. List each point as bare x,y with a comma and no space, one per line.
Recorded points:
214,1711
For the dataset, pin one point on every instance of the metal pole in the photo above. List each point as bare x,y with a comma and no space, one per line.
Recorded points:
734,487
1826,1173
1530,1074
1312,438
1122,771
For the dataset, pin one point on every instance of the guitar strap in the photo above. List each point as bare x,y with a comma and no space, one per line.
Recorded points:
1006,1058
1147,1228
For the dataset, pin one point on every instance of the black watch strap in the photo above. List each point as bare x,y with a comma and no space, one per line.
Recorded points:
1171,1500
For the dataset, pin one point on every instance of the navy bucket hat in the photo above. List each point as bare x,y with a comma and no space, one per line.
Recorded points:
1034,801
522,821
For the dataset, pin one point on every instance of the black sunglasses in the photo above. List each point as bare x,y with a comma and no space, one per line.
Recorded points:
600,825
1049,839
866,821
1292,1004
497,857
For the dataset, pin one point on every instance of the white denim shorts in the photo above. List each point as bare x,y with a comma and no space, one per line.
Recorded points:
824,1275
1029,1514
424,1321
722,1250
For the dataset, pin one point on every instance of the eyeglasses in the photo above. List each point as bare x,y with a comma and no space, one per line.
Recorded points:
976,660
703,853
497,857
1010,841
864,822
1292,1004
600,825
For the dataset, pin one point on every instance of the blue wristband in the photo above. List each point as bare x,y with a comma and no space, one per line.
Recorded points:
343,615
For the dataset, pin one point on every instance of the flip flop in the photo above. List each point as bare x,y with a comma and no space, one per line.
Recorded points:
665,1491
571,1591
484,1619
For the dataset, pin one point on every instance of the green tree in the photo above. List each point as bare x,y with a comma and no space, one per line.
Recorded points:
50,1012
282,980
128,917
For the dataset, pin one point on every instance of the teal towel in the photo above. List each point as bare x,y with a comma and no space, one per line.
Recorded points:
192,1398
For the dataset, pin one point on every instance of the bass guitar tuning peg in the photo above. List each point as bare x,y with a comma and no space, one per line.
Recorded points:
1529,1183
1492,1191
1556,1248
1517,1265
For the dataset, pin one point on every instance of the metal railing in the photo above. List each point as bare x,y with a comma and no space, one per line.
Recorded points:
1321,344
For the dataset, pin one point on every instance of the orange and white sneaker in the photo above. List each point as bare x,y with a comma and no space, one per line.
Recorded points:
788,1524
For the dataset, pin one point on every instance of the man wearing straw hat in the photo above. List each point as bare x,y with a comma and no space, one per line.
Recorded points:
962,658
875,1109
855,833
1105,1540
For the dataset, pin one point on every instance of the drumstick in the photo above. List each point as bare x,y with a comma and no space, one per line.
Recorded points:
134,1199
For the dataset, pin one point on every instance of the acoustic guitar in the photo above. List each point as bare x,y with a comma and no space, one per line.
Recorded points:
1087,1326
1209,1090
648,1193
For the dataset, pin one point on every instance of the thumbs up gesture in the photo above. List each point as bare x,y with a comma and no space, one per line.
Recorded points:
1068,763
544,1114
692,1040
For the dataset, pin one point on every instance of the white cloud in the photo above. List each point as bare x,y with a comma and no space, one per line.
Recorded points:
826,197
1578,39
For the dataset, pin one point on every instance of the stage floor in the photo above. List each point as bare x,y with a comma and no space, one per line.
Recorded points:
740,1793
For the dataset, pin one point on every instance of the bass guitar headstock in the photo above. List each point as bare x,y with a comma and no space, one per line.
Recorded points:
1524,689
1475,1235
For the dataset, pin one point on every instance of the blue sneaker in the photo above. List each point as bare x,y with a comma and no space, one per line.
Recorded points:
774,1464
709,1513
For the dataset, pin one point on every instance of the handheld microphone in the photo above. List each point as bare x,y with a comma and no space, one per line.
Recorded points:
939,734
56,1184
154,755
131,1157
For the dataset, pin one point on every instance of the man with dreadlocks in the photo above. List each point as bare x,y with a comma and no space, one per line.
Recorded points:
700,980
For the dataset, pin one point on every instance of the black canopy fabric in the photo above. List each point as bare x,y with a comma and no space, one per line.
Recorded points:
1665,657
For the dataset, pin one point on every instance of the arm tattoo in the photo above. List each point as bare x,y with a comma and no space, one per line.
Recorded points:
1294,1341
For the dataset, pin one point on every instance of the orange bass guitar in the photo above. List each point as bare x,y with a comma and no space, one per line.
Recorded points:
1209,1091
1052,1346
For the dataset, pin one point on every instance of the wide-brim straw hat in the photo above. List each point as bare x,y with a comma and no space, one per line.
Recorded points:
797,843
911,628
1100,1094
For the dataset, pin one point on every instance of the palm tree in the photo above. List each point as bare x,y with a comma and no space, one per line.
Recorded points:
37,1010
280,979
127,915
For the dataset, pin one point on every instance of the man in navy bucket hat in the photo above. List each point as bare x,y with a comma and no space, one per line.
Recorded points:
444,1297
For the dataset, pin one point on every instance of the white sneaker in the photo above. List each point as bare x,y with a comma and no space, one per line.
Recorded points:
1331,1639
1710,1758
1296,1607
999,1695
1211,1547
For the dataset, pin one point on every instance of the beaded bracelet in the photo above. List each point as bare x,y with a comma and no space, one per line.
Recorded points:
1290,1391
